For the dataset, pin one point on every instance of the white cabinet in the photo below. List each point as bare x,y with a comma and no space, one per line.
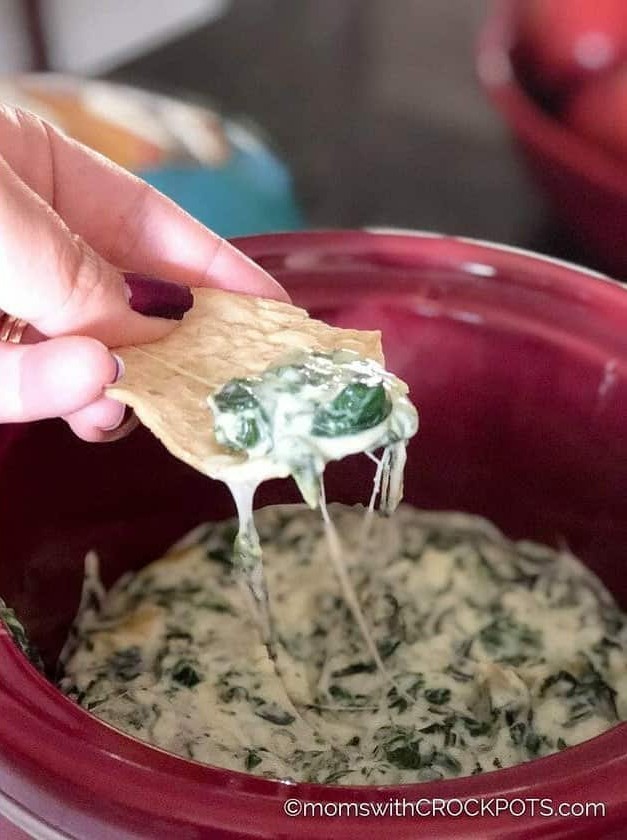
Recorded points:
88,36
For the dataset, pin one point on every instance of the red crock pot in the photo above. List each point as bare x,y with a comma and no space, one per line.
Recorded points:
518,364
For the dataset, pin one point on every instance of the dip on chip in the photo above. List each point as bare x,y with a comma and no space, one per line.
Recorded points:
226,337
248,389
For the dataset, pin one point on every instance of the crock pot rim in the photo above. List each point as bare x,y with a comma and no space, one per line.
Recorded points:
599,753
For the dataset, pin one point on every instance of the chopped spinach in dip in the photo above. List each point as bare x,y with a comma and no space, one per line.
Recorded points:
16,630
495,652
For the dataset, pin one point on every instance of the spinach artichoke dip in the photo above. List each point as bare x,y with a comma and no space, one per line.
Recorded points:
362,649
495,652
249,389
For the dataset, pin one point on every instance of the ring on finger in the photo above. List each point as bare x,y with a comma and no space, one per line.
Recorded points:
11,328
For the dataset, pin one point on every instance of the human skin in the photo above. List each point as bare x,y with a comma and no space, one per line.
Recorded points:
75,231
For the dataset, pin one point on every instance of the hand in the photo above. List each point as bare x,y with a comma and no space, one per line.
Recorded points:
72,227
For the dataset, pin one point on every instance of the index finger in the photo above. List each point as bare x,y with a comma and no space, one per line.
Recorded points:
125,220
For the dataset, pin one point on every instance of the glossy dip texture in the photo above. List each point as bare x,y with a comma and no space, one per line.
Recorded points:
519,368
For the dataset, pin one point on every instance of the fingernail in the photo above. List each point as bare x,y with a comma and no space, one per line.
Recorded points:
120,420
157,298
119,366
129,422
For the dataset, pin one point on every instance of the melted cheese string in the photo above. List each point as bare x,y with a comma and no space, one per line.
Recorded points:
247,559
368,520
348,592
247,555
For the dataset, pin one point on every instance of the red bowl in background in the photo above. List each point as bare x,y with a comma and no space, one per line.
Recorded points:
585,186
518,365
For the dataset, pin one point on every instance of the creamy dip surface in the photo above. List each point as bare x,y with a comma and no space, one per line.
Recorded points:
495,652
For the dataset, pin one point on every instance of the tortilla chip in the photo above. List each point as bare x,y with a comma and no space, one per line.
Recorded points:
224,335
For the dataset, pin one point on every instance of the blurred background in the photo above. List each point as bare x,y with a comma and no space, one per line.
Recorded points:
324,113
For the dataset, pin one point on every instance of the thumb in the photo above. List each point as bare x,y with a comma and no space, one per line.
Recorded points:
53,378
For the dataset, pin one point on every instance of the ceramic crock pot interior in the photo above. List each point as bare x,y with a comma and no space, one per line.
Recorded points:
519,370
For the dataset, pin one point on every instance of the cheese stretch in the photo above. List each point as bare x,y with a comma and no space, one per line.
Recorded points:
292,420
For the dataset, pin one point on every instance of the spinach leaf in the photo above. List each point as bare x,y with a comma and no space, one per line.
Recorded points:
185,674
233,692
398,696
517,732
357,408
274,713
248,423
337,692
437,696
252,759
407,756
126,664
509,640
386,647
476,727
355,668
587,693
